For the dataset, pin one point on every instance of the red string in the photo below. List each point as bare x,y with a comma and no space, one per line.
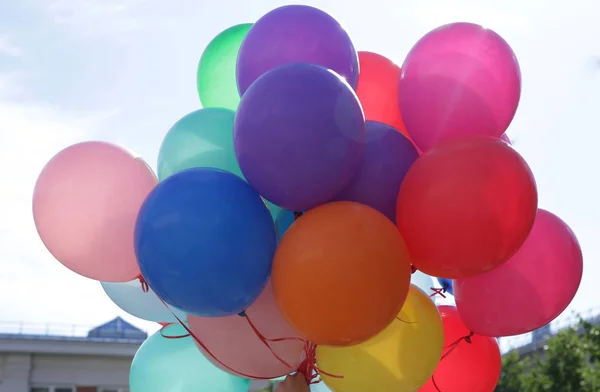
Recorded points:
145,287
199,342
439,292
451,348
308,368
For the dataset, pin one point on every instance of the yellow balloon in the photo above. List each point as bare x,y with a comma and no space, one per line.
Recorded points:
400,359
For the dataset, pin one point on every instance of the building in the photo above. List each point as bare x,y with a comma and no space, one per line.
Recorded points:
50,361
72,358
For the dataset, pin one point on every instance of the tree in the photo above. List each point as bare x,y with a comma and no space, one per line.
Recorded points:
570,362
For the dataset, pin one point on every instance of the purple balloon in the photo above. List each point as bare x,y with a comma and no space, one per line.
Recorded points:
295,33
387,158
299,135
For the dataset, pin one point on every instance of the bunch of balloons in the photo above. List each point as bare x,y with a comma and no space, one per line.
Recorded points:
292,212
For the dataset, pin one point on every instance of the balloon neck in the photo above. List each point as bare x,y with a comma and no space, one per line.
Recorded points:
242,313
413,269
144,284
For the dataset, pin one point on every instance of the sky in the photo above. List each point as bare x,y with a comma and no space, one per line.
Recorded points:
124,71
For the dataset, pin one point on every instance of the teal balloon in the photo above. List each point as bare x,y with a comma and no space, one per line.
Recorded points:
177,365
203,138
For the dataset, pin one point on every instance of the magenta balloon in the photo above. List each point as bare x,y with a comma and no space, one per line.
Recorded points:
85,204
292,34
233,342
531,289
459,79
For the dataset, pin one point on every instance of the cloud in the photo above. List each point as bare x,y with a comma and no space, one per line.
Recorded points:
97,17
8,48
35,286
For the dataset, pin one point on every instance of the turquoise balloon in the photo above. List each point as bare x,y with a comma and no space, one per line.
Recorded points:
177,365
203,138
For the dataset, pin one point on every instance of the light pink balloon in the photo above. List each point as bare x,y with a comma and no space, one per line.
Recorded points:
85,204
531,289
233,342
459,79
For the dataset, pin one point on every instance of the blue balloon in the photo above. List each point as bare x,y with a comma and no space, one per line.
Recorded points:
130,297
205,241
162,364
446,285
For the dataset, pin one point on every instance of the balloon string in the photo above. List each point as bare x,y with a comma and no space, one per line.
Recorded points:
404,321
451,348
437,291
265,341
172,337
145,287
308,368
205,348
312,373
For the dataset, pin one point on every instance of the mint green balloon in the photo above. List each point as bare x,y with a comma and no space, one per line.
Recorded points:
216,80
177,365
203,138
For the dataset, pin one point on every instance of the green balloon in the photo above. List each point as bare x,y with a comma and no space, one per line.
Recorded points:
217,85
177,365
203,138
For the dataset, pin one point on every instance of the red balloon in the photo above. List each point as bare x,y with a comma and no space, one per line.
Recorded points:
470,362
466,206
531,289
377,89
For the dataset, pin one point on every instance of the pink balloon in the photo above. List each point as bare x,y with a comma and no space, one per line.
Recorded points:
85,204
234,343
459,79
531,289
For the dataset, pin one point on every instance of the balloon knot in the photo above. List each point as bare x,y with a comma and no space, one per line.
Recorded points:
437,291
413,269
309,369
468,337
242,313
144,284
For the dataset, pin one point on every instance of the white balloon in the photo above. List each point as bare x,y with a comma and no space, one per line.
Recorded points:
130,297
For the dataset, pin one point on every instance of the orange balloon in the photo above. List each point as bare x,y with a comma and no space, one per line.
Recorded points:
341,274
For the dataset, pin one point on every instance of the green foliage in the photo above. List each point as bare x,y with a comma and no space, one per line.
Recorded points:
569,362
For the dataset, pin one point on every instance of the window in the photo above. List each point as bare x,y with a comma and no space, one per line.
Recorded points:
53,389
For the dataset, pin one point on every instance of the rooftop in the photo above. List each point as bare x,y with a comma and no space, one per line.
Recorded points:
115,331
